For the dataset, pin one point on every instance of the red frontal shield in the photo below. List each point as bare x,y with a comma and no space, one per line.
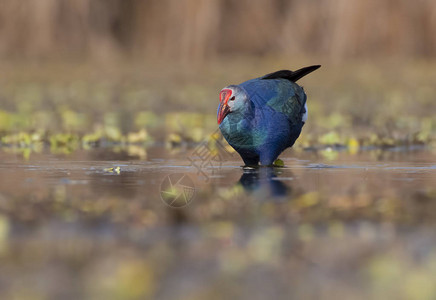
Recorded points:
224,109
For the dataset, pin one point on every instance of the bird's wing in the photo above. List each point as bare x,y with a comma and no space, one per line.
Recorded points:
279,95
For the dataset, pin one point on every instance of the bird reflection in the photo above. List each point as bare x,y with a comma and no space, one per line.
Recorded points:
263,182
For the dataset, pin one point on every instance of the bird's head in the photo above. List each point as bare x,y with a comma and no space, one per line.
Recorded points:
232,99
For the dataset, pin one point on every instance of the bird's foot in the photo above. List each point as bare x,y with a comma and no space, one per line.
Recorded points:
250,167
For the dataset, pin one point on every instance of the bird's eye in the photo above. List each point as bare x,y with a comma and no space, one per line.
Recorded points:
233,98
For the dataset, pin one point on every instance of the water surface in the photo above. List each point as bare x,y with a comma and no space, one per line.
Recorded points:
94,225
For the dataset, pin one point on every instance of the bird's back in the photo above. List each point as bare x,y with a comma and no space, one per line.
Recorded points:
274,96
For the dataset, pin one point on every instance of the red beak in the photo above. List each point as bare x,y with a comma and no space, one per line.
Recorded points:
224,109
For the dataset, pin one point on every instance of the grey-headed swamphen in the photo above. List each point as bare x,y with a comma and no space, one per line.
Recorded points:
262,117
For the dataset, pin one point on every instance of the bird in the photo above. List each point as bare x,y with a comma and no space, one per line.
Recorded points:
262,117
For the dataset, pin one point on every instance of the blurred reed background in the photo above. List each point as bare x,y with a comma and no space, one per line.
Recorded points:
195,30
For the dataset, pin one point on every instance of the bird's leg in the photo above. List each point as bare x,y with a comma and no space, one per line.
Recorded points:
267,158
251,161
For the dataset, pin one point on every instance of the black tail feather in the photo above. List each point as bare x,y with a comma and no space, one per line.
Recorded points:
292,76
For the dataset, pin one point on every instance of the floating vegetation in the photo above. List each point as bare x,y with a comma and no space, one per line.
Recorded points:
353,112
189,129
115,170
279,163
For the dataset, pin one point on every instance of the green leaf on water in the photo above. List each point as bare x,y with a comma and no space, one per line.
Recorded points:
116,170
278,163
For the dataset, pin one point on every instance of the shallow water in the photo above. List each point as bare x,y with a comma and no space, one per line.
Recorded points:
102,224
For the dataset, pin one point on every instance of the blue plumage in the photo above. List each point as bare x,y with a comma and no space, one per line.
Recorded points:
262,117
